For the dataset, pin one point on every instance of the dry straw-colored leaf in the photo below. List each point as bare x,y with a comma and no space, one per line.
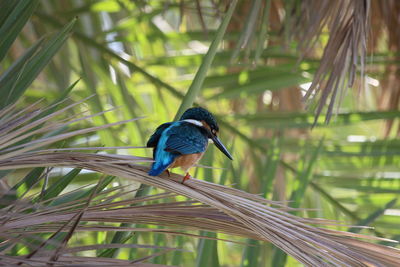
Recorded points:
242,213
347,22
223,209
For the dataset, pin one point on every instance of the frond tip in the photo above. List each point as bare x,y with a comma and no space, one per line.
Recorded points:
347,22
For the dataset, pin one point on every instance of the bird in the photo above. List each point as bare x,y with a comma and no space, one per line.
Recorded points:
182,143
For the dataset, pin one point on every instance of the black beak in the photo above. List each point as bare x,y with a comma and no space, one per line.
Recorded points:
221,146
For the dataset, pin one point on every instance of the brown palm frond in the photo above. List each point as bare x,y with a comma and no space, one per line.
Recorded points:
347,22
249,215
385,15
73,261
223,209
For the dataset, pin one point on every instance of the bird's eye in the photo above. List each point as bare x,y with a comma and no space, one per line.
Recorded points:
213,131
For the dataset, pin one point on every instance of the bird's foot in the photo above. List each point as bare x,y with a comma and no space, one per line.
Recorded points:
169,174
187,177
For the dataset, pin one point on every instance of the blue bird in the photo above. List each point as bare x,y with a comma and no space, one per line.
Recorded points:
182,143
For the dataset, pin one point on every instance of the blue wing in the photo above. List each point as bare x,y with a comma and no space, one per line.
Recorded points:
153,140
162,158
186,139
173,139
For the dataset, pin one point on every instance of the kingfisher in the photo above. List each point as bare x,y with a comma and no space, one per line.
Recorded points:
182,143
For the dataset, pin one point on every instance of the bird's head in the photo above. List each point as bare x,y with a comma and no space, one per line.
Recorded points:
205,120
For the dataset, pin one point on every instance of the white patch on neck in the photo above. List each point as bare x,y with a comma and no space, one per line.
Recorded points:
195,122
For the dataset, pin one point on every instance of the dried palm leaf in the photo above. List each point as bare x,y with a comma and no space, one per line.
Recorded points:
227,210
313,246
385,15
347,22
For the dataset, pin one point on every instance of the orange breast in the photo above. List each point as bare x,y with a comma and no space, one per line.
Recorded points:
186,161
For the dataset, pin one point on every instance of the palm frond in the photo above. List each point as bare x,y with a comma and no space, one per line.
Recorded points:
225,209
347,22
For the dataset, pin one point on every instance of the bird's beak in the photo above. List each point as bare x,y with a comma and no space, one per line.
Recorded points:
221,146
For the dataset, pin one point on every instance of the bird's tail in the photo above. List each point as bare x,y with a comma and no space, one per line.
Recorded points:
158,168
